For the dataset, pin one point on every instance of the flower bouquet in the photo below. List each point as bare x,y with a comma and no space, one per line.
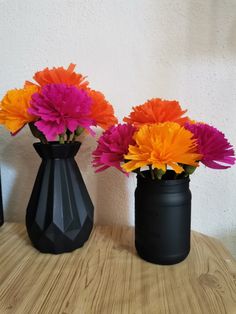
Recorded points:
58,107
164,147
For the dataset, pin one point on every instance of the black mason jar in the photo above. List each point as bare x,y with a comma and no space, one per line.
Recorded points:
162,219
59,216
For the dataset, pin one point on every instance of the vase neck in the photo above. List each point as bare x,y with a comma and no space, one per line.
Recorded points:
55,150
165,184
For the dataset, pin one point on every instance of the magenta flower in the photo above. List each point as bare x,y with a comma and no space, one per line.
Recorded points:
60,107
213,146
112,146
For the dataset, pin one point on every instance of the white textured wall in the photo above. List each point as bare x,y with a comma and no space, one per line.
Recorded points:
131,50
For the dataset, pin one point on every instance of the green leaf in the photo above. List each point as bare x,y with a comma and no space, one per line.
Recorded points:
189,169
159,173
36,133
79,131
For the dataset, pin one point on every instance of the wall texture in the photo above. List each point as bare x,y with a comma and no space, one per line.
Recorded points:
131,50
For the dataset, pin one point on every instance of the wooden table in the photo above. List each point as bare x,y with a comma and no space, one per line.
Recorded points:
106,276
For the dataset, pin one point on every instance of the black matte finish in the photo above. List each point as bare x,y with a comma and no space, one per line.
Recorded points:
59,215
162,219
1,206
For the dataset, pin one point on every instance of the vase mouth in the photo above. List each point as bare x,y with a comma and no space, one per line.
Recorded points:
167,178
55,143
55,150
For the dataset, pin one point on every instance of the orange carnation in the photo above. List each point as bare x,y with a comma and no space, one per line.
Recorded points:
156,110
14,108
101,110
162,145
60,75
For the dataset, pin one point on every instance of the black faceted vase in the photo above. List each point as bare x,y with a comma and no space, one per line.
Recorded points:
59,216
162,219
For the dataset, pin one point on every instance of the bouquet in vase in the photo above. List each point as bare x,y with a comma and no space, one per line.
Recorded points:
158,136
59,105
164,147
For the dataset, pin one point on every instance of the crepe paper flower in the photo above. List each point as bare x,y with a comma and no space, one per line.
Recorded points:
60,75
161,145
14,108
157,110
60,107
112,146
213,146
101,110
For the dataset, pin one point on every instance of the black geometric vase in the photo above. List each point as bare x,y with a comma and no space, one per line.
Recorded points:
162,219
59,216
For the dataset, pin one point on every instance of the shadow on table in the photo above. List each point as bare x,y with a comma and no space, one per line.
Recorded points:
120,238
22,234
228,240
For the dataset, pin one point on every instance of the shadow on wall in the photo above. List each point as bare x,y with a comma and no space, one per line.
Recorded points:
108,189
19,168
209,29
83,159
228,239
112,198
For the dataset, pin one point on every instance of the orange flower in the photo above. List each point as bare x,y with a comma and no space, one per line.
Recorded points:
14,108
156,110
60,75
162,145
101,110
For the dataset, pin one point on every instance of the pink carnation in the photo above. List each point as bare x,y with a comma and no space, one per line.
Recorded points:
60,107
212,145
112,146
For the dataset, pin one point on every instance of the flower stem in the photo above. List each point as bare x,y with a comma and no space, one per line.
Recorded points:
189,170
152,173
61,139
36,133
77,133
68,134
158,173
140,173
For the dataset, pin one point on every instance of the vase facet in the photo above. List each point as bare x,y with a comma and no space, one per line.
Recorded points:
59,216
162,219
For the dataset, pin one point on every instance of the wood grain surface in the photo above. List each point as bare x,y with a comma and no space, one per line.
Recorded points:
106,276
